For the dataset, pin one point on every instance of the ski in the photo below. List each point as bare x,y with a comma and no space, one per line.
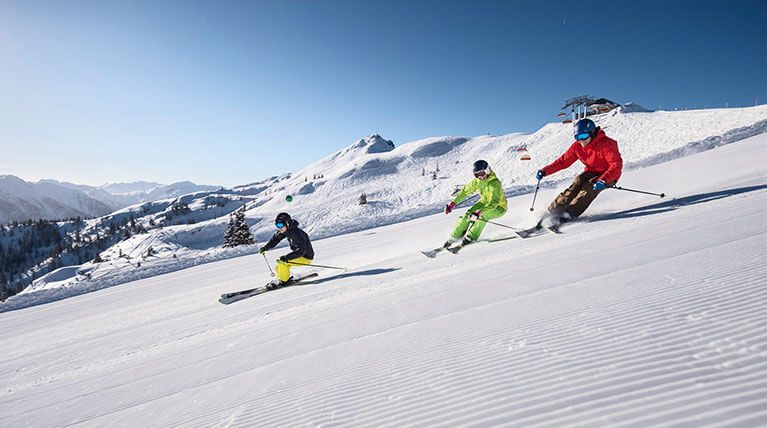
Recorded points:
535,231
526,233
456,248
236,296
554,229
432,253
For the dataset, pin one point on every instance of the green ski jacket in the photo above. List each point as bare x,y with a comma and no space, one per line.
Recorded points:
490,192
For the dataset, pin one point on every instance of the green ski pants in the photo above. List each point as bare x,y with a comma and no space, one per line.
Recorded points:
472,229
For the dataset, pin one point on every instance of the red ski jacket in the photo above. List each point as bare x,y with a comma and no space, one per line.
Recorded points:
601,155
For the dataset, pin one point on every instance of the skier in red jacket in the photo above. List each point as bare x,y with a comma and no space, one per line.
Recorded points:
603,169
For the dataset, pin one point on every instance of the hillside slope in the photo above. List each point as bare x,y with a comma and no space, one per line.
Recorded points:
399,186
649,312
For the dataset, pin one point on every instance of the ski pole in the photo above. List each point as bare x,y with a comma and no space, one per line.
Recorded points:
536,194
313,265
267,264
499,224
662,195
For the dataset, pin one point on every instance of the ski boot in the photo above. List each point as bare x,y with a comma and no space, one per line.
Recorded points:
450,241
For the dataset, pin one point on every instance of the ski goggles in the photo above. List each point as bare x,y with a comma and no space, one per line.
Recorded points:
279,225
481,174
582,136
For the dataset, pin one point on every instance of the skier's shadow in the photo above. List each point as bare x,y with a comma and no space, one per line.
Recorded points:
676,203
368,272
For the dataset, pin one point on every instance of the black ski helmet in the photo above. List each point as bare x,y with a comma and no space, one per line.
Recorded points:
283,218
481,166
583,127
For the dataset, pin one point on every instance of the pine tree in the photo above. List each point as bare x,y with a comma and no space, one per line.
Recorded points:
238,232
244,237
230,232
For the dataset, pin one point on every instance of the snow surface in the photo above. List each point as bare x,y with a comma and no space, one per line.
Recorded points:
649,312
399,186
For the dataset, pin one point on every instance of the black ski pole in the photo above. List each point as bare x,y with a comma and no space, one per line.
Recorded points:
662,195
536,194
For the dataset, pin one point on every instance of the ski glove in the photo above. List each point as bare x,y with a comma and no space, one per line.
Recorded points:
540,174
599,185
283,259
449,207
262,250
475,215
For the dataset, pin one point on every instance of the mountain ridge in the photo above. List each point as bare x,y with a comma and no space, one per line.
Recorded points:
50,199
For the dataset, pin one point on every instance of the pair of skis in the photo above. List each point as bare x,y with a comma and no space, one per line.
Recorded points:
454,249
236,296
533,231
525,233
458,247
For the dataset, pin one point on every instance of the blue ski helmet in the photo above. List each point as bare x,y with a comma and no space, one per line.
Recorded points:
584,129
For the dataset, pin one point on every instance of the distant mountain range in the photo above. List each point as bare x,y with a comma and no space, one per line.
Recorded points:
54,200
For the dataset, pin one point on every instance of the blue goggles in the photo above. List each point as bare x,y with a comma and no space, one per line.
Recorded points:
279,225
582,136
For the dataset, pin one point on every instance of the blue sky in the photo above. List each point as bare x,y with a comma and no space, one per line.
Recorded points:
230,92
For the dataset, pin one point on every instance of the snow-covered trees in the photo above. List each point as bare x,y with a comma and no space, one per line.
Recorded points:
238,232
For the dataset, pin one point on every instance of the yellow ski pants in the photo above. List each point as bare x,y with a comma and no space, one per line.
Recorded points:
283,268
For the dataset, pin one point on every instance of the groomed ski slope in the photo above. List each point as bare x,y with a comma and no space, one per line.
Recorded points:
650,312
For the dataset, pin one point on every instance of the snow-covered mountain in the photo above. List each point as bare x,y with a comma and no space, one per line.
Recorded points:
648,312
401,183
121,195
633,108
54,200
129,188
21,200
162,191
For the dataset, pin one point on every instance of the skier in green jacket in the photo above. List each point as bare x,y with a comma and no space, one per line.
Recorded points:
491,204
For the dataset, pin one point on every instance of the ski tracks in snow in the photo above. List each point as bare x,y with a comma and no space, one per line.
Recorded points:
651,320
653,349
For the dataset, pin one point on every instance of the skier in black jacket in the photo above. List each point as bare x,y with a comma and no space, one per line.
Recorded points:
302,252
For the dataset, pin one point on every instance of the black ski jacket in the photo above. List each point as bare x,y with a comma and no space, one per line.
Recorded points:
298,239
